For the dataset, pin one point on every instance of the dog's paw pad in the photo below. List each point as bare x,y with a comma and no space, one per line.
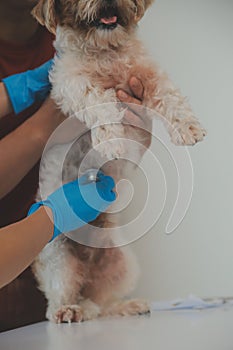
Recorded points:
68,314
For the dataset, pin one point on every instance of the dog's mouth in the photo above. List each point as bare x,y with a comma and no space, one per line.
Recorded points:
108,22
108,19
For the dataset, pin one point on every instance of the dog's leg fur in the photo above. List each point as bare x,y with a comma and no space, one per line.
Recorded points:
130,307
82,290
112,278
183,127
161,96
93,105
61,276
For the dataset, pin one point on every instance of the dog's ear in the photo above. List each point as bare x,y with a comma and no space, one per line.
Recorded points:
142,6
148,3
45,13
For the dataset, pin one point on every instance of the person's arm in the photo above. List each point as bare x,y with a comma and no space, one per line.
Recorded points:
21,149
5,104
68,208
21,242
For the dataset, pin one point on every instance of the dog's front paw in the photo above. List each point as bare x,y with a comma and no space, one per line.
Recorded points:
187,131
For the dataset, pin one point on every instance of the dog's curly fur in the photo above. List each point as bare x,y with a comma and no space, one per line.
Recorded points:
96,43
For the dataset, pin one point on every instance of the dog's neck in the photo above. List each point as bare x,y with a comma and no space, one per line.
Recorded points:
67,40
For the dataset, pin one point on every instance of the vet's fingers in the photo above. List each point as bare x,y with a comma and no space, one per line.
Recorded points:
137,88
126,98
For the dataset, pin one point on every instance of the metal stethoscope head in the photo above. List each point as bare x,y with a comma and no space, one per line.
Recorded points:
91,175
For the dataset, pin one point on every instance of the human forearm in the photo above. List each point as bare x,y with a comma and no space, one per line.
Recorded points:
20,150
5,105
65,210
21,242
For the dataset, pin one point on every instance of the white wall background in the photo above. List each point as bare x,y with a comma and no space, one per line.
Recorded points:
193,42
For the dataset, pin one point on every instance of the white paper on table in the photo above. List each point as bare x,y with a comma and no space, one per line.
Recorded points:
191,302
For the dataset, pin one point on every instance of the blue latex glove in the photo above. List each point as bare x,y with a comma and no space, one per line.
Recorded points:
75,204
28,87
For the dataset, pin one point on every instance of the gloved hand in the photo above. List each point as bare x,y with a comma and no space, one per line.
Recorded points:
28,87
75,204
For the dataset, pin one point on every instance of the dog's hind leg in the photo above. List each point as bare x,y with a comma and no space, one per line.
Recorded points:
61,275
131,307
112,278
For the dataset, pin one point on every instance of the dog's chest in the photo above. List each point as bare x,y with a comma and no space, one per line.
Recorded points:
109,71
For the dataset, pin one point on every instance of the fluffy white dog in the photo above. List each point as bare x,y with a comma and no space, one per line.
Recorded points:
96,43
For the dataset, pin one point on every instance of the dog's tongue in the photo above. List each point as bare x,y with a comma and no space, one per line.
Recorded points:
109,20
